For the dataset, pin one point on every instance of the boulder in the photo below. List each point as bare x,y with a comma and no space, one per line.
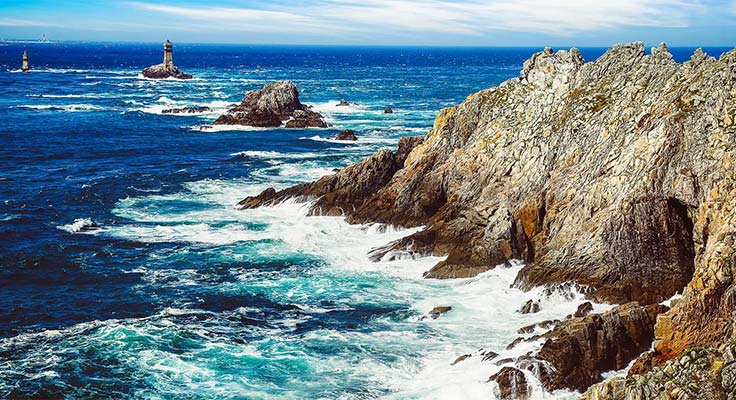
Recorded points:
437,312
583,309
270,106
388,110
347,134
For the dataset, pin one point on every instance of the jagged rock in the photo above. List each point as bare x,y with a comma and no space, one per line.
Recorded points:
270,106
697,374
347,134
617,174
163,71
347,188
488,355
541,325
186,110
437,312
512,384
530,307
345,103
388,110
583,309
461,358
580,349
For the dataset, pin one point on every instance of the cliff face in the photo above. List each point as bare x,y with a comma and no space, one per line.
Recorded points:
616,174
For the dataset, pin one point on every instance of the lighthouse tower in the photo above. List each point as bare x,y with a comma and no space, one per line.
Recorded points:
25,67
168,55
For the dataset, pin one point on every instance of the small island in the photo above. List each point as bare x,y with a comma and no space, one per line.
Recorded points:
166,69
270,107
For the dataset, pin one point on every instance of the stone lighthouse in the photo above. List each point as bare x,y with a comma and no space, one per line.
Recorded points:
25,67
166,69
168,55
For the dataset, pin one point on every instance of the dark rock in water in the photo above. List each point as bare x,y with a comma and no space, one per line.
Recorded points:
163,71
437,312
514,343
580,349
186,110
270,106
347,134
306,119
512,384
504,361
388,110
583,309
345,103
461,358
530,307
488,355
542,325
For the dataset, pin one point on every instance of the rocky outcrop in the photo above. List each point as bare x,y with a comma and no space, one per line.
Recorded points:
578,350
699,373
163,71
187,110
347,134
617,174
270,107
512,384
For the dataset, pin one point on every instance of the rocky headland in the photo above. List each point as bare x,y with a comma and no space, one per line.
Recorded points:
616,174
270,107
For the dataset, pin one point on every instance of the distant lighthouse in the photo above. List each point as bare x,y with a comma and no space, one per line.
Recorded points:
168,55
25,67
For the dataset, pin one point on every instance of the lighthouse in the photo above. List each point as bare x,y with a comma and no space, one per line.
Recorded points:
168,55
25,67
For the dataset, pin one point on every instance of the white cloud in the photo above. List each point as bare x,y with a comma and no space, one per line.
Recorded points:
470,17
23,22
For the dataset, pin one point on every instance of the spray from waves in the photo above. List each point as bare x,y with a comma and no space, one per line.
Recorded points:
79,225
422,349
362,139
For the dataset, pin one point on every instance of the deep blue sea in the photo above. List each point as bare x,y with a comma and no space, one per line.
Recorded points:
126,271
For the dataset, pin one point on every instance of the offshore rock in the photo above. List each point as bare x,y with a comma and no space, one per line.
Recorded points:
578,350
270,106
617,174
388,110
347,134
512,384
186,110
163,71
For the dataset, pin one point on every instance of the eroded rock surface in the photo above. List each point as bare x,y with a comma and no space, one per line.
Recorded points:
616,174
270,107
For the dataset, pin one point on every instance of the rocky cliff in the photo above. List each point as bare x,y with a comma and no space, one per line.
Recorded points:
615,173
270,106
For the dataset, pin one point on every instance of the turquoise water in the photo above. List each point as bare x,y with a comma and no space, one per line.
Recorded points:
128,272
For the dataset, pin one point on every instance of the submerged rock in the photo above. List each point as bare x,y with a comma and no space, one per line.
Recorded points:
347,134
437,312
270,106
388,110
345,103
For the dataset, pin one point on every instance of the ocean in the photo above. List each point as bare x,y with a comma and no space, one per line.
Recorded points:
127,271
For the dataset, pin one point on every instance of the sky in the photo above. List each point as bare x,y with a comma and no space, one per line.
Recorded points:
377,22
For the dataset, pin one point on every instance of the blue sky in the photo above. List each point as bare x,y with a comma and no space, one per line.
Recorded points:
378,22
